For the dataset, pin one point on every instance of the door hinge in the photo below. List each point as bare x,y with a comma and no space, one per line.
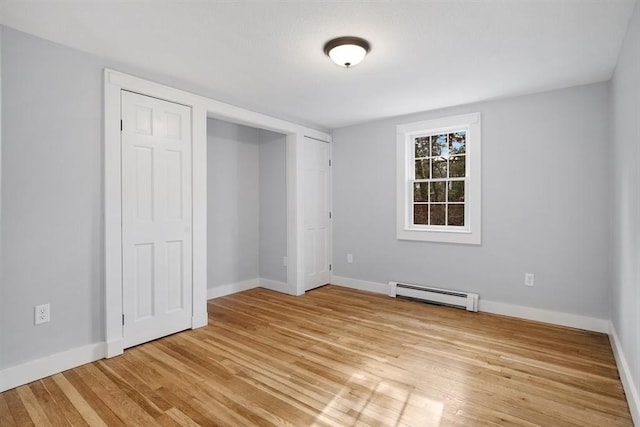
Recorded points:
123,320
121,126
329,162
329,214
329,267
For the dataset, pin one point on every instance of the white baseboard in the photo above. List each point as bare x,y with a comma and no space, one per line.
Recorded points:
363,285
274,285
546,316
40,368
522,312
630,388
231,288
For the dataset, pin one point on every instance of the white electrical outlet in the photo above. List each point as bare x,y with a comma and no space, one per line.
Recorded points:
350,258
528,279
42,314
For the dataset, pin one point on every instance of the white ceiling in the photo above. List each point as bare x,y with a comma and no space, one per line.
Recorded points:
267,55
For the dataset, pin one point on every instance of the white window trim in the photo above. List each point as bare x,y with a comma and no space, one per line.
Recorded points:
470,234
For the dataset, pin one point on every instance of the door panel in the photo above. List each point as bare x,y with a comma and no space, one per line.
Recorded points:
175,288
143,281
174,185
316,213
156,218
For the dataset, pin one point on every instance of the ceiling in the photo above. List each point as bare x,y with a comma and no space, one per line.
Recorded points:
267,55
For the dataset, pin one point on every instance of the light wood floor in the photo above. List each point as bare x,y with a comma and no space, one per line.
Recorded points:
339,357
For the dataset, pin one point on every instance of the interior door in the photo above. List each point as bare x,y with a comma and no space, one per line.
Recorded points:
156,218
317,214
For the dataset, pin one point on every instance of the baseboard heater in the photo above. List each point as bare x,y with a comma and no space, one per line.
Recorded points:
466,300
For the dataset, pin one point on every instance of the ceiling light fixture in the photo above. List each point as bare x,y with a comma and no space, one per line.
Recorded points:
347,51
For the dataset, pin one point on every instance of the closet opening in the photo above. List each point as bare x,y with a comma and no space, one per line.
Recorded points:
246,208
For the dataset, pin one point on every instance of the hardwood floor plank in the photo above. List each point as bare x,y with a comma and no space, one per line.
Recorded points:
339,357
166,421
179,417
79,403
6,419
205,412
114,397
94,403
132,393
17,408
31,404
53,411
138,380
60,403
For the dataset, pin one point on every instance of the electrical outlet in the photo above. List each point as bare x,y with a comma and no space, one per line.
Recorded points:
285,261
350,258
42,314
528,279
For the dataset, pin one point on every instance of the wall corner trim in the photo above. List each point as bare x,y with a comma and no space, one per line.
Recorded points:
114,348
630,388
200,320
34,370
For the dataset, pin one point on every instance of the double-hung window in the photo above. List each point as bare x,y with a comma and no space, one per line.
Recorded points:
439,180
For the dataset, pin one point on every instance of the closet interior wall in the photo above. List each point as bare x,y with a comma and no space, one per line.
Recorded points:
246,191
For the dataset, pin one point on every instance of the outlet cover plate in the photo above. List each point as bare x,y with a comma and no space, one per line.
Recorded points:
529,279
42,314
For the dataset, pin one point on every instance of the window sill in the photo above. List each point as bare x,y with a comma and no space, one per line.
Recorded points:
464,237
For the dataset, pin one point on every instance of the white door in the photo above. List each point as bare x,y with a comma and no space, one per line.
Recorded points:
317,214
156,218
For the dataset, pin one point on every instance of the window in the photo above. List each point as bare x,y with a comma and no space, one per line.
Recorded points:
439,180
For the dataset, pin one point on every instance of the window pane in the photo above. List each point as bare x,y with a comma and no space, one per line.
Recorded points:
421,192
457,166
439,168
421,214
456,215
438,191
439,146
422,169
437,214
456,191
422,146
457,142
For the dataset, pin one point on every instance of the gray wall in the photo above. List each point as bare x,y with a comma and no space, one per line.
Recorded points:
273,206
625,97
52,198
246,186
545,205
232,203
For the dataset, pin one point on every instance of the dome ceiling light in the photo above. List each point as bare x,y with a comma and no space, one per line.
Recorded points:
347,51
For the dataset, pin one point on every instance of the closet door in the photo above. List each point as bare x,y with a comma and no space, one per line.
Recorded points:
156,218
317,213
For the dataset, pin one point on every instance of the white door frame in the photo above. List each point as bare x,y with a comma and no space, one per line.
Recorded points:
201,107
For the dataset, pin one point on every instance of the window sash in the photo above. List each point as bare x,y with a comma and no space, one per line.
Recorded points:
412,180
